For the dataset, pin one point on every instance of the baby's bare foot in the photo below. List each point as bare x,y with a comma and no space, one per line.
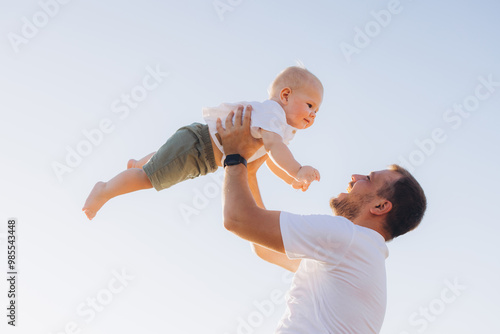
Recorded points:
132,163
95,200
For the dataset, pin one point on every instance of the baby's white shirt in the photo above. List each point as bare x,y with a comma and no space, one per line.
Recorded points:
267,115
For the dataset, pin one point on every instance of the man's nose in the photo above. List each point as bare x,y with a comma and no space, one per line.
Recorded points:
356,177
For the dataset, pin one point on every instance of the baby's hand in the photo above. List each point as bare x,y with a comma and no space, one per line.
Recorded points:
307,174
300,185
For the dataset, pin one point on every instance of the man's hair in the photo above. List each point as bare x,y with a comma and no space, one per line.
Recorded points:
408,203
293,77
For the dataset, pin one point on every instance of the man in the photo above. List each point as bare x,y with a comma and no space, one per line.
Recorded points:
339,261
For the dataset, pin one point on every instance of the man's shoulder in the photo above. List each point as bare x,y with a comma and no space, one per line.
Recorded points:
316,218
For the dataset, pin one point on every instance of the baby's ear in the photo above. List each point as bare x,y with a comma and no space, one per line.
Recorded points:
285,94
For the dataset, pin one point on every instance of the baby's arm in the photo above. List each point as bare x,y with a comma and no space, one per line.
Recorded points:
285,177
279,172
283,158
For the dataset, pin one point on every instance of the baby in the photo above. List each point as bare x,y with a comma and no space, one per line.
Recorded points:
294,99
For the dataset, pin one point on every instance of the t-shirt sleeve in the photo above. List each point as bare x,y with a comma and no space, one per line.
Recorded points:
318,237
268,117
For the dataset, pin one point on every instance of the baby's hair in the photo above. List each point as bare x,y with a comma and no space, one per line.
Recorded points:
293,77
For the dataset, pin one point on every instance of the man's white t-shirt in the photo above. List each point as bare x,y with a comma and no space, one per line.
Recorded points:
267,115
340,286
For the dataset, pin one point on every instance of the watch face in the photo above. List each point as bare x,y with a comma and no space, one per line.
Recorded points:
234,159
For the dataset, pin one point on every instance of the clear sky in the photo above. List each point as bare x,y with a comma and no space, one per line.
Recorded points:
87,85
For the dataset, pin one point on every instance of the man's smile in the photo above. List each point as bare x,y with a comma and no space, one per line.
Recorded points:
350,186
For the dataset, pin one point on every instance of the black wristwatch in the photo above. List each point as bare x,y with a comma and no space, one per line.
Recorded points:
234,159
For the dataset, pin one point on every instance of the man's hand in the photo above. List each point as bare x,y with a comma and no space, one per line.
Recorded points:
236,137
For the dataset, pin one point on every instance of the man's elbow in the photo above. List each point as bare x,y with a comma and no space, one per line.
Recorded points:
230,221
236,219
228,224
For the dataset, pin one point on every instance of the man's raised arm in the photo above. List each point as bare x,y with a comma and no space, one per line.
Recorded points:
242,216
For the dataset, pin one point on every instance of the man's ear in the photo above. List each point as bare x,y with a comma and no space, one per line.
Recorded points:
383,207
285,94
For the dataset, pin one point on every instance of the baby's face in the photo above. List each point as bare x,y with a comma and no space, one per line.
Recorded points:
302,106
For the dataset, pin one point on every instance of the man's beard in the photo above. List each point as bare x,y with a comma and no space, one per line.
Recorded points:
350,206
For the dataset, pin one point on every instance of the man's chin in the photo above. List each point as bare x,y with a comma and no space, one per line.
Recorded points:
344,205
335,200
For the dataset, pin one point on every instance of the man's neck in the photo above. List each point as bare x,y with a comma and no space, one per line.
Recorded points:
373,224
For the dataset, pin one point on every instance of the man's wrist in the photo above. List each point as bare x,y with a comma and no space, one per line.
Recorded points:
236,170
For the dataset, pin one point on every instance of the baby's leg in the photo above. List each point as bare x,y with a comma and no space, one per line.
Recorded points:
132,163
132,179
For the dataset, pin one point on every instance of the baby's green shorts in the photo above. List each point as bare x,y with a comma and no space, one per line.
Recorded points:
185,155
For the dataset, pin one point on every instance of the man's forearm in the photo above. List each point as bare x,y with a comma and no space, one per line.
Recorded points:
238,200
243,217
